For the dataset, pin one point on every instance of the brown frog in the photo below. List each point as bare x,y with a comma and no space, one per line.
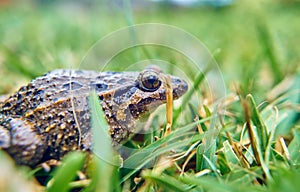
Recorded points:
50,116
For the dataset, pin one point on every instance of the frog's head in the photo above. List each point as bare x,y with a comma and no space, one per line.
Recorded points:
151,90
144,92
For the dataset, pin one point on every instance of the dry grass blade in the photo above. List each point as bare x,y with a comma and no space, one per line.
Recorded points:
251,131
169,105
285,148
237,150
187,161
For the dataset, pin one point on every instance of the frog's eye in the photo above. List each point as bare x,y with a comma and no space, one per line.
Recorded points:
149,81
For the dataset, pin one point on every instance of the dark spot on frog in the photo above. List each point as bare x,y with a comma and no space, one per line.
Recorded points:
30,86
7,105
23,88
177,80
28,93
99,86
39,92
73,85
19,96
61,116
34,105
50,117
30,116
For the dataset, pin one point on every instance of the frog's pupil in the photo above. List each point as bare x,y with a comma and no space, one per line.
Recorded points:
150,81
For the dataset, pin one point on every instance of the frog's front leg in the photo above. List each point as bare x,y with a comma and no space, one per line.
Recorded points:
22,140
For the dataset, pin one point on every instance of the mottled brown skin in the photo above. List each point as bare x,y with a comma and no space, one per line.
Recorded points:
50,116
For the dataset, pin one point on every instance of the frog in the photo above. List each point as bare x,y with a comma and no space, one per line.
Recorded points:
50,116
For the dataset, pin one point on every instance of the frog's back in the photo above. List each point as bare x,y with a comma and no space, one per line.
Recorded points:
60,85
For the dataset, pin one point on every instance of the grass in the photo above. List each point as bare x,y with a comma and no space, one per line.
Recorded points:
252,145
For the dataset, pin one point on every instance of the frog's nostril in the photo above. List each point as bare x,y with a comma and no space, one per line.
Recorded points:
178,81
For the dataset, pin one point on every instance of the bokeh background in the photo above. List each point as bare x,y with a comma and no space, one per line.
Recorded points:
254,43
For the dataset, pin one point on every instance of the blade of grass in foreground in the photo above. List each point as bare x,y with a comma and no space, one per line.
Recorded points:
166,182
104,177
255,138
295,146
214,184
206,158
258,122
67,172
101,140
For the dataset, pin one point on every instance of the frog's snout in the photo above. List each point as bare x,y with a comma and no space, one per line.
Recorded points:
179,86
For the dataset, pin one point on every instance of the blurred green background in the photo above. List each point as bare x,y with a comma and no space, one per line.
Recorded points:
255,43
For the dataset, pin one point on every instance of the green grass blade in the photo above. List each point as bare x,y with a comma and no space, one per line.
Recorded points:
102,144
231,157
213,184
294,147
262,131
66,173
104,160
285,180
165,182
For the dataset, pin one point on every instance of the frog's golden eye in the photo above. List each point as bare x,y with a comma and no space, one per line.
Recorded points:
149,81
